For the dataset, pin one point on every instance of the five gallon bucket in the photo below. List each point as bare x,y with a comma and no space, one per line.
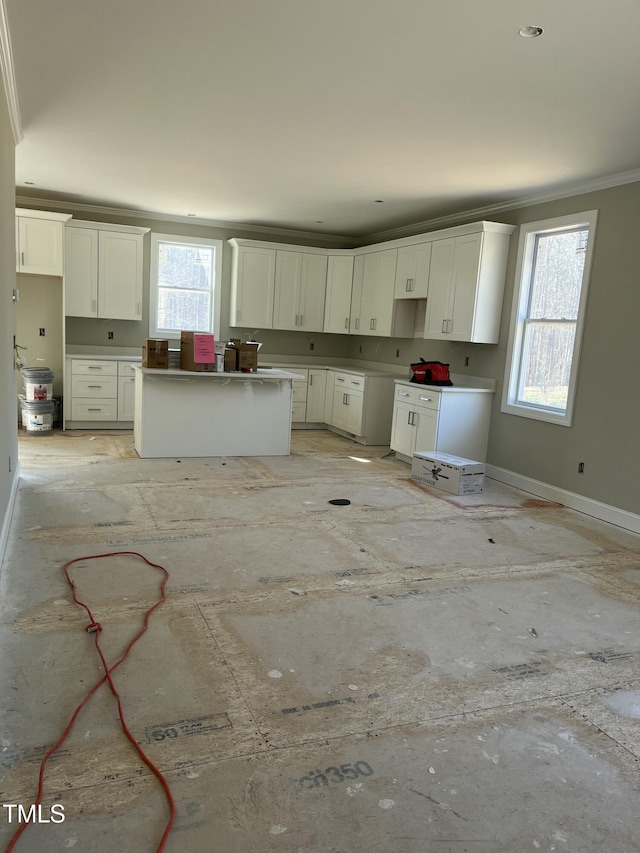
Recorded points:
37,416
38,384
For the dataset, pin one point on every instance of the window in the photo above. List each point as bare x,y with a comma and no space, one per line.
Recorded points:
552,275
185,285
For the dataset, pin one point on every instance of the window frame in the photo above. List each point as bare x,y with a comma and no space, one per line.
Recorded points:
216,295
519,315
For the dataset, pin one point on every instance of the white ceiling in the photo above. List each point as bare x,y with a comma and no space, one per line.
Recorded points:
280,113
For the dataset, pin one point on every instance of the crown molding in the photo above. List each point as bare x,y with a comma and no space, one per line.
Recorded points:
101,210
8,76
488,211
339,241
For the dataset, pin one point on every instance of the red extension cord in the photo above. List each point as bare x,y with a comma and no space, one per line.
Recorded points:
95,628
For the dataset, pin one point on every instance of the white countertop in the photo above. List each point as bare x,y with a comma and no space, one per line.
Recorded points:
92,356
268,374
448,389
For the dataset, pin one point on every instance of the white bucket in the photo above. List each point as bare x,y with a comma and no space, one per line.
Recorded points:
38,383
37,417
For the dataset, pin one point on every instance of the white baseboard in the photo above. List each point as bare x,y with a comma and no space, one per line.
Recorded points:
4,531
605,512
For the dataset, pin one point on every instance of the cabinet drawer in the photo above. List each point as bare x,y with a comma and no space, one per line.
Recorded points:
418,395
428,399
350,380
97,387
125,368
94,368
98,409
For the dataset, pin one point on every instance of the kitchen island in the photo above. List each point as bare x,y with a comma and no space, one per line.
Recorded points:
191,414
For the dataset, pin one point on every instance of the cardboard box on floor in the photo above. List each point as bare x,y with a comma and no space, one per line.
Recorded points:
199,352
155,353
452,474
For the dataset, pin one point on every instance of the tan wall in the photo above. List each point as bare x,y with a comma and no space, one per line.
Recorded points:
40,307
8,402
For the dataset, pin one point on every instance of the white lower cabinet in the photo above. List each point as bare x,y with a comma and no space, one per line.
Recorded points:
316,391
450,420
361,406
99,393
358,405
299,396
348,410
126,391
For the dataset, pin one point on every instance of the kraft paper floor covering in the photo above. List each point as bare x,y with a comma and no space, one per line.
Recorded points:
412,673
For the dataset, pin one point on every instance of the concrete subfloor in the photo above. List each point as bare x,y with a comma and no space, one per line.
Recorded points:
413,672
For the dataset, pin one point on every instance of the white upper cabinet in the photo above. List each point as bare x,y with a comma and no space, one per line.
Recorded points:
81,274
300,286
356,294
412,271
337,310
119,275
439,302
103,271
252,285
375,290
40,242
466,285
380,314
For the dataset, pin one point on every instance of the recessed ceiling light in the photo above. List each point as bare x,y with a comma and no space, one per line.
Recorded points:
530,32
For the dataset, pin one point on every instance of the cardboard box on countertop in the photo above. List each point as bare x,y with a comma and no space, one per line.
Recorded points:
155,353
199,351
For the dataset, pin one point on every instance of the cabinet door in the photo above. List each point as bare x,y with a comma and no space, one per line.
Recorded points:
440,298
40,246
126,396
253,287
465,287
81,272
119,275
338,297
378,284
370,277
339,411
403,429
286,303
316,391
384,305
355,412
412,271
356,295
328,397
426,429
313,288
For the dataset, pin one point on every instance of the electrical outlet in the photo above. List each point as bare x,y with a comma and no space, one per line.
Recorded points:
42,333
110,335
